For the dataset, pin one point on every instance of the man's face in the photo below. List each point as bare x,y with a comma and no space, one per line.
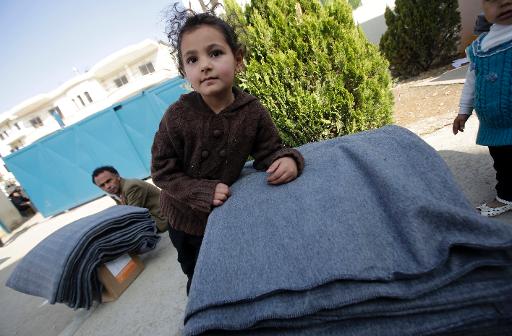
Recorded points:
108,182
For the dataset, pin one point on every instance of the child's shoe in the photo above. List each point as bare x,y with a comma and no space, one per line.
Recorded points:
487,211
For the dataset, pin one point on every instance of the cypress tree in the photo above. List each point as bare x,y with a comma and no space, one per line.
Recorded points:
312,68
421,35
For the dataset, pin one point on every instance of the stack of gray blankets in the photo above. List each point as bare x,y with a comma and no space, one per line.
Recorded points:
375,238
63,267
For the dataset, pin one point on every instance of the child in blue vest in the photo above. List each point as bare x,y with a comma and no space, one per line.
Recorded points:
488,90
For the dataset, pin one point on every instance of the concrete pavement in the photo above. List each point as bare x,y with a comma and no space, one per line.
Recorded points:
154,304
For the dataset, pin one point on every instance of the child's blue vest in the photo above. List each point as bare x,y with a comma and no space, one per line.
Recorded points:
493,92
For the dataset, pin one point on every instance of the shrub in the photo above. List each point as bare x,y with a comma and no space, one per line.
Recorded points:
421,35
312,68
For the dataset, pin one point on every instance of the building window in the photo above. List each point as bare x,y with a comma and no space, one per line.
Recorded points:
17,125
146,68
57,115
81,100
56,111
88,96
4,135
120,81
36,122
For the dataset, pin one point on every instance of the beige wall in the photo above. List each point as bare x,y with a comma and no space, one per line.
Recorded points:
469,9
9,215
370,16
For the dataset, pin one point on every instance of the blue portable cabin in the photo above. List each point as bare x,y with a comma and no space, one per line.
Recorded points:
55,171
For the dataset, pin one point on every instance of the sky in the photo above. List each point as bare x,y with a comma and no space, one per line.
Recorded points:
41,41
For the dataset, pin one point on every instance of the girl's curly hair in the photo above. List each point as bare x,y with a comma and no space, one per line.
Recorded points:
182,20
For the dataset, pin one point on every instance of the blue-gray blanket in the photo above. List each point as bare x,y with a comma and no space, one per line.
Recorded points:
63,267
375,238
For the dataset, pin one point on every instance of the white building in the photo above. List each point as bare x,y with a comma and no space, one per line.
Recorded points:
116,77
113,79
370,16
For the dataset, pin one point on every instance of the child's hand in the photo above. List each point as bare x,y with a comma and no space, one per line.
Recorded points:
221,194
282,170
459,123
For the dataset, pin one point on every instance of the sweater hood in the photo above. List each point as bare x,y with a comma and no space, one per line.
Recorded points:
194,101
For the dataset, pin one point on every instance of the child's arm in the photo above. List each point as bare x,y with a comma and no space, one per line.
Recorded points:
459,123
221,194
283,164
282,170
466,102
168,174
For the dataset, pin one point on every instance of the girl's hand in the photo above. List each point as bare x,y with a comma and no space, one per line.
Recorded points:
459,123
282,170
221,194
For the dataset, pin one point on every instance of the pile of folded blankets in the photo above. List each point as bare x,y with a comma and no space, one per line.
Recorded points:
63,267
374,238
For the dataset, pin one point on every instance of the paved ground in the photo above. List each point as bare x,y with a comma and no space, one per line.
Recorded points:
455,76
154,304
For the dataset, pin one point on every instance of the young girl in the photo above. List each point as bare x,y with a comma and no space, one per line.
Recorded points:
488,89
205,138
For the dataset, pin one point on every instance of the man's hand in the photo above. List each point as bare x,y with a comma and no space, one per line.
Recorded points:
282,170
459,123
221,194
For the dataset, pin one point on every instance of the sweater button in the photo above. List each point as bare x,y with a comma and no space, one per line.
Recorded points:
222,153
217,133
204,154
492,77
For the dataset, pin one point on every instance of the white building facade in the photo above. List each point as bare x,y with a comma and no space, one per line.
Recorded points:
122,74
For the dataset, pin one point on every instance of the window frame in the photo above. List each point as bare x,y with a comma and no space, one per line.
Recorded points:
147,68
121,81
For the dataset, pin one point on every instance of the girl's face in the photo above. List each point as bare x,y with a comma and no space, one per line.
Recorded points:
209,63
498,11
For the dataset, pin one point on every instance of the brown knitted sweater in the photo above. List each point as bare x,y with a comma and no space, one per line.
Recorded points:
194,149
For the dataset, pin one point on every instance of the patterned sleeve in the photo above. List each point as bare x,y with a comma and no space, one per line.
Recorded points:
269,147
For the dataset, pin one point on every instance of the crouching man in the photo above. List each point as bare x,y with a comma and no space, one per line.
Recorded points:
130,192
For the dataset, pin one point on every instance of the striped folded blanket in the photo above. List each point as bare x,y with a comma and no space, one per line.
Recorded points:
63,267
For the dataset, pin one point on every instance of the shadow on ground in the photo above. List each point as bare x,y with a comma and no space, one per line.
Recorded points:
23,314
18,233
475,175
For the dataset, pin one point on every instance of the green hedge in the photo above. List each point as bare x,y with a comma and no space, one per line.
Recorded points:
312,68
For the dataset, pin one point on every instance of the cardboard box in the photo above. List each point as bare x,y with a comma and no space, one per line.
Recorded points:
117,275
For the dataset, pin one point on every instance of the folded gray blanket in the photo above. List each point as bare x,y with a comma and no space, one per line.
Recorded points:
62,267
375,238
